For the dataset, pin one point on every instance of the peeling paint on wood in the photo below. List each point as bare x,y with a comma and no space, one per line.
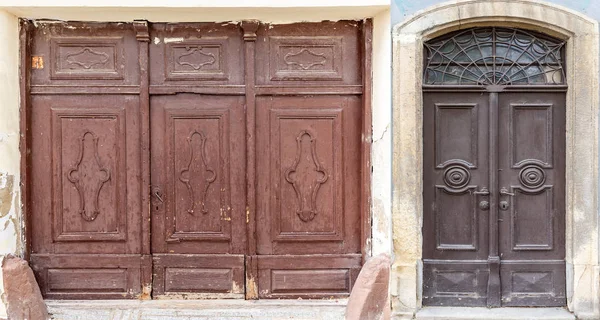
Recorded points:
251,289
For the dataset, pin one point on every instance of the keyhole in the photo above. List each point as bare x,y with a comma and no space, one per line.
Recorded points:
503,205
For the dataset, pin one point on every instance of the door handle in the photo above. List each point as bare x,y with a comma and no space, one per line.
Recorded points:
483,205
483,192
505,192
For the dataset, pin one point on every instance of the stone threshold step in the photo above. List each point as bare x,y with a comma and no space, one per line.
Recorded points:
196,309
464,313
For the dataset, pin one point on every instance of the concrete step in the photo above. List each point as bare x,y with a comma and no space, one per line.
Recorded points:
197,309
459,313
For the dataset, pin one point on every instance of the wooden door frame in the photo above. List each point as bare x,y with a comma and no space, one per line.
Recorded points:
582,36
142,35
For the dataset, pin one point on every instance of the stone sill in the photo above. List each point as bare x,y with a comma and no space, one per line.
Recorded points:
463,313
197,309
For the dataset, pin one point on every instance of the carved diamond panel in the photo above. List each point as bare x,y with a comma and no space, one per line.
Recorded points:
532,282
197,168
198,181
197,59
306,171
306,175
89,162
305,58
456,282
85,58
89,175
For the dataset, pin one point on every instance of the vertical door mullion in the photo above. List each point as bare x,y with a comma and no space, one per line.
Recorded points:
143,37
250,28
493,292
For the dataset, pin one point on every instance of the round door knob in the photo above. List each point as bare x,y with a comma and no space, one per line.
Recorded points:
484,205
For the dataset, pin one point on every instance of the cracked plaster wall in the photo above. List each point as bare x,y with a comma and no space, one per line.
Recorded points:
381,155
10,225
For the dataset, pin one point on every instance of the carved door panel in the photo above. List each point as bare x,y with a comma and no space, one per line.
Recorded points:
308,181
198,161
86,215
308,155
532,219
198,195
455,210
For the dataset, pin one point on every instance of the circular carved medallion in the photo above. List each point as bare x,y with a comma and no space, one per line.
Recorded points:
457,177
532,176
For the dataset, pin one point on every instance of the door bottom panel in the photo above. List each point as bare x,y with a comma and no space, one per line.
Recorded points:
90,276
198,276
307,276
455,283
533,283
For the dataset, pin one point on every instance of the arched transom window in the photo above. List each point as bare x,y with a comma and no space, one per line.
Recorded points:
494,56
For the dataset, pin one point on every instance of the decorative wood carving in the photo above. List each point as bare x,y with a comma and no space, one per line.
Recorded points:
86,58
300,58
80,177
306,191
141,30
250,27
76,58
196,59
69,124
185,174
305,59
325,125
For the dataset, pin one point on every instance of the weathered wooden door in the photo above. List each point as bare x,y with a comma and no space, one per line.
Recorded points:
198,160
86,196
494,170
308,233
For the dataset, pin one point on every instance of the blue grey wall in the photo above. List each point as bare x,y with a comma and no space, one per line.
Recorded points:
404,8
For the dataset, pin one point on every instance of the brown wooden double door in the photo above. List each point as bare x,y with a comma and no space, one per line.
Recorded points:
196,160
494,198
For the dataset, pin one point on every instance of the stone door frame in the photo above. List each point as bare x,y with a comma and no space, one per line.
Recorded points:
582,50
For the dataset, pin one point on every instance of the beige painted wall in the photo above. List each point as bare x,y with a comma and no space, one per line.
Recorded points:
10,238
276,11
381,151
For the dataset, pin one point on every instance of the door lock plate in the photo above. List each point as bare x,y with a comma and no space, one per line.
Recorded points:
484,205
